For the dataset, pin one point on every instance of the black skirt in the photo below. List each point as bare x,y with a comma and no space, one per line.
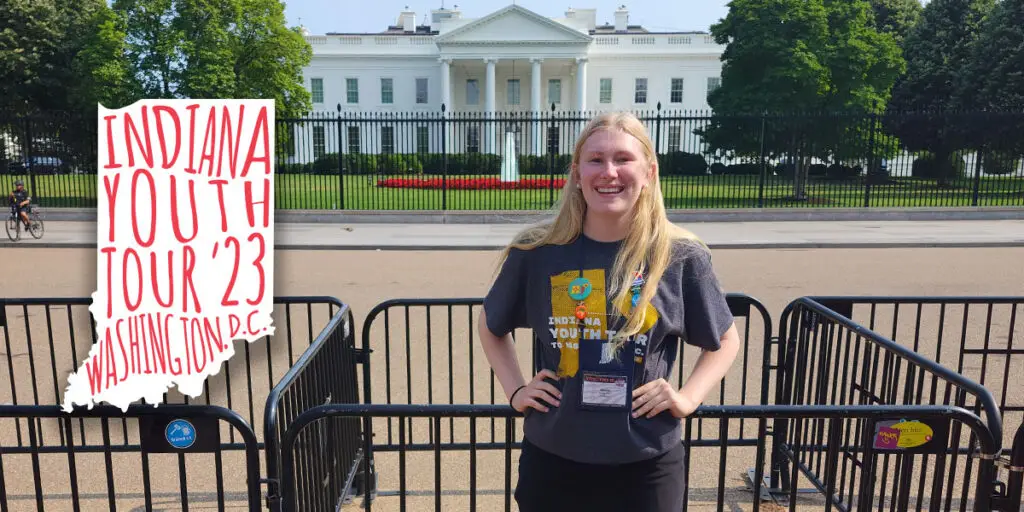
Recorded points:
548,482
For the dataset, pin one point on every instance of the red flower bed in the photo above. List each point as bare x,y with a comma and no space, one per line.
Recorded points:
472,183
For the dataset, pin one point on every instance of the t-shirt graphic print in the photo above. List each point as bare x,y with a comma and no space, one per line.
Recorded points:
564,325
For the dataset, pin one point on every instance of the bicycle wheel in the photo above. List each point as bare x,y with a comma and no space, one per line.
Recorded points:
35,226
13,229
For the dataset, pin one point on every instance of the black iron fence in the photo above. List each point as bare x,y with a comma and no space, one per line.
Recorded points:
518,161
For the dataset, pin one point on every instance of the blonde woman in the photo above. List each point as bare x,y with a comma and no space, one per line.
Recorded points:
609,286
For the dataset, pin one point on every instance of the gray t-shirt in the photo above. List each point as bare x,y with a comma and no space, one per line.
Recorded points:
532,291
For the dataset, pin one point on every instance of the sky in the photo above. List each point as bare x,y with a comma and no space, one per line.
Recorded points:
322,16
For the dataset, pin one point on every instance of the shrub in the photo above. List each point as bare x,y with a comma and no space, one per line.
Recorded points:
998,163
927,167
680,163
457,183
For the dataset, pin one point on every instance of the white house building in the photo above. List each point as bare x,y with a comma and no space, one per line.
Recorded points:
511,61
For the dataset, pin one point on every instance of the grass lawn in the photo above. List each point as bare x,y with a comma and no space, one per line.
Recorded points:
721,191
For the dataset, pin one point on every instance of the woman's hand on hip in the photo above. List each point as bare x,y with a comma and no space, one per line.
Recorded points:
536,393
658,396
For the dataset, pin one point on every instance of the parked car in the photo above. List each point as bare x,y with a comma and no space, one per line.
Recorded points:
38,165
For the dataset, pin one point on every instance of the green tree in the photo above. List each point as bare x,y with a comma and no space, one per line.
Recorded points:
43,43
896,17
993,81
787,56
937,51
204,49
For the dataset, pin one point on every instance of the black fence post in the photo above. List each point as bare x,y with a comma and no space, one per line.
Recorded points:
32,190
551,157
657,130
871,158
341,165
764,163
444,158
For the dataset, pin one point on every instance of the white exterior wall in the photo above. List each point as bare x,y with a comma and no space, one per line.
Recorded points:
513,37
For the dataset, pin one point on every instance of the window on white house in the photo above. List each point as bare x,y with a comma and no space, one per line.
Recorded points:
472,139
674,133
640,92
676,94
555,91
606,90
353,140
319,142
421,90
423,139
512,92
387,139
472,92
387,91
352,90
317,89
553,140
714,82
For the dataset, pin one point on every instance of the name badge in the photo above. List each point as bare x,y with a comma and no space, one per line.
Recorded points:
604,391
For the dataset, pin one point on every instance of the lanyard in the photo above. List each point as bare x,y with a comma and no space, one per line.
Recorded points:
579,290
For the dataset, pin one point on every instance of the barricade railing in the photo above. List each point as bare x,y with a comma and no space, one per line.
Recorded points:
857,433
326,373
174,457
1014,501
832,360
45,339
431,355
979,337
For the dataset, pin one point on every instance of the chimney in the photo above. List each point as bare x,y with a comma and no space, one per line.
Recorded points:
621,19
407,20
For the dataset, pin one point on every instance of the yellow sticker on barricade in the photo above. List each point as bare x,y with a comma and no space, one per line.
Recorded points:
912,434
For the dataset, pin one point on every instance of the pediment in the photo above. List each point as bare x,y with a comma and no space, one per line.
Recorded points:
513,24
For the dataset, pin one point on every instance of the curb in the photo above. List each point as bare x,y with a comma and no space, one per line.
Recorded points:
679,216
496,247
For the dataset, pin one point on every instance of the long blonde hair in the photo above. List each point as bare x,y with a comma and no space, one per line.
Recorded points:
649,241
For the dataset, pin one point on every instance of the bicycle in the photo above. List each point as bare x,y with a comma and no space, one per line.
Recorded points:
14,223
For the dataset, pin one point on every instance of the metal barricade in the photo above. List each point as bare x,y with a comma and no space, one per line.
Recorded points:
437,479
832,360
326,373
45,339
174,456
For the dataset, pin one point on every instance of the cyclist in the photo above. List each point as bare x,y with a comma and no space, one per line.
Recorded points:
20,201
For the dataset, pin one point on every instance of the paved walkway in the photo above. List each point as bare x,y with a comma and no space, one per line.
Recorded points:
789,234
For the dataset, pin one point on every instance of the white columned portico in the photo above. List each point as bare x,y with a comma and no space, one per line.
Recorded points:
490,144
535,108
581,84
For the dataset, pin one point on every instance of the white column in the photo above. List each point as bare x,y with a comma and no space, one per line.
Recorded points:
535,106
446,100
490,145
581,84
446,84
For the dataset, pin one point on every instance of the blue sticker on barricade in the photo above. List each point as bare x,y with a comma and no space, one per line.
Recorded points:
180,434
171,434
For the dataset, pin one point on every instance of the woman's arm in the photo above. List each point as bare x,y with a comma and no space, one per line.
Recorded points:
501,355
657,396
711,368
